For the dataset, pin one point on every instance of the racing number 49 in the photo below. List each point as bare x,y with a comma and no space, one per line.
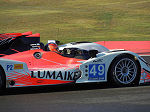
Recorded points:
97,71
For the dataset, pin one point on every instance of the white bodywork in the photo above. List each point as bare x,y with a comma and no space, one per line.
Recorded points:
102,62
104,59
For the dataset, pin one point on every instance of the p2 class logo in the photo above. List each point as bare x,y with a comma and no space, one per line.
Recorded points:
96,72
9,67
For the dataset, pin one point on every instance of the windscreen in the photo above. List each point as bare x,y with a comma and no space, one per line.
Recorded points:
85,46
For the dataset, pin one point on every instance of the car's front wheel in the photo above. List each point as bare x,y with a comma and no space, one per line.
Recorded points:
124,71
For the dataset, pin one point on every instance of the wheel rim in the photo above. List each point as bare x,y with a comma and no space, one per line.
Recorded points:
125,71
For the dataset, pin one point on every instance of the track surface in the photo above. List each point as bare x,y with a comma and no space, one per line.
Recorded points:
79,98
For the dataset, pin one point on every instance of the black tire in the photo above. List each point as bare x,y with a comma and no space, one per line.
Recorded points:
2,80
124,71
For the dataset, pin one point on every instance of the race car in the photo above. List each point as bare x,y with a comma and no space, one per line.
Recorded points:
25,61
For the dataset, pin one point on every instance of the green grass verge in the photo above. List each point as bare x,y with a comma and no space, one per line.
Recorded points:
78,20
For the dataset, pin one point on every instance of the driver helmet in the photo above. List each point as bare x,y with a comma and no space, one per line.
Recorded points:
53,47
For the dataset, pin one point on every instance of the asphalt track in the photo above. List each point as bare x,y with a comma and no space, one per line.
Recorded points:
79,98
76,98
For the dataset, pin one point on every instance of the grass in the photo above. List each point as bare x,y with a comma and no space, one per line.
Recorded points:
78,20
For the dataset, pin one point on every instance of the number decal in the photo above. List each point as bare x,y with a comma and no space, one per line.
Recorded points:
97,72
93,70
10,67
101,69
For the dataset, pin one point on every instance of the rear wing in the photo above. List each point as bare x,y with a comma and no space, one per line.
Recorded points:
18,42
7,38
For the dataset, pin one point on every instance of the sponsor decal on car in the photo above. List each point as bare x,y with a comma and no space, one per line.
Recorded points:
58,75
12,67
34,46
18,66
98,60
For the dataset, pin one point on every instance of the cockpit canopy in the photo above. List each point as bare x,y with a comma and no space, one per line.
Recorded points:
81,50
85,46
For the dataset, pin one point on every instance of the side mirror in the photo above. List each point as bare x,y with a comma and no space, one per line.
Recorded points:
92,53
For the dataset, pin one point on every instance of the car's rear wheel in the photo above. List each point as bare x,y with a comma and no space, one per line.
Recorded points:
124,71
2,80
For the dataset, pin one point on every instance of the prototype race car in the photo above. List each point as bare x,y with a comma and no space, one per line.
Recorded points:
25,61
